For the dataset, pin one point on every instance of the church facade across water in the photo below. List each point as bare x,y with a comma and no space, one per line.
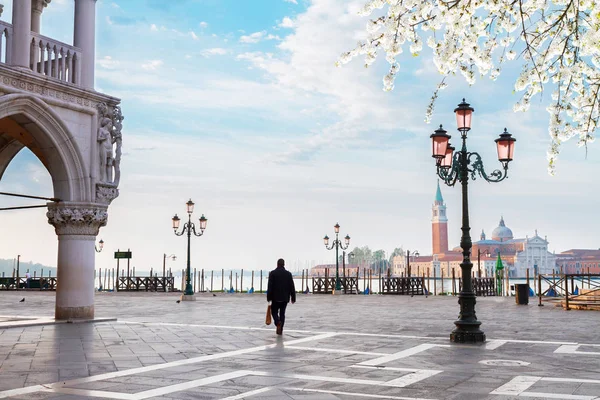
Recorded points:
517,254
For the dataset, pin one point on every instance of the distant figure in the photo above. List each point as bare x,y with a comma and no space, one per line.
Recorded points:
279,290
28,279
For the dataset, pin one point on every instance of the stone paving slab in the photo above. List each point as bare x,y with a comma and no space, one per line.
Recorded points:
333,347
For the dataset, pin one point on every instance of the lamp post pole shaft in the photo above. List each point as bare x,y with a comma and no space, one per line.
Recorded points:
188,278
467,325
338,284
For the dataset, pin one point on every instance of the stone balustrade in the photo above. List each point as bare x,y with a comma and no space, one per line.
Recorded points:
6,31
55,59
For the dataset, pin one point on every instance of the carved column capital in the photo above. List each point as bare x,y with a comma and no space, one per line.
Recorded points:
38,5
82,219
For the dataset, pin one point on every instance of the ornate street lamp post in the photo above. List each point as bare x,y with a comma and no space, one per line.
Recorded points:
485,252
337,244
460,166
100,246
190,228
408,254
165,256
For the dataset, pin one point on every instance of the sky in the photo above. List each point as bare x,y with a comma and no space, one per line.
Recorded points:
239,106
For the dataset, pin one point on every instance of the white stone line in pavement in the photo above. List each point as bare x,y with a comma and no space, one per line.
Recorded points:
519,384
414,377
247,394
345,333
379,367
334,379
20,391
557,396
249,328
90,393
190,385
403,354
572,349
571,380
399,383
149,393
340,351
372,396
494,344
134,371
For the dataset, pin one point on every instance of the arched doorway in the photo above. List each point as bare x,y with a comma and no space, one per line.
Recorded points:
28,121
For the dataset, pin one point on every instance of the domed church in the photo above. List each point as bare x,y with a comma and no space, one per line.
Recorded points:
517,255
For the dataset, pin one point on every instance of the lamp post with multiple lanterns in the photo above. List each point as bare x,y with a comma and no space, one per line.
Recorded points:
460,167
190,228
486,253
337,244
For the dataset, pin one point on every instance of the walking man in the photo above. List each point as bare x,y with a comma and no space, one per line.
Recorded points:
280,289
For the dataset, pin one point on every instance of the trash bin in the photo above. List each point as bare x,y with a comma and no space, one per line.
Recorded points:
522,293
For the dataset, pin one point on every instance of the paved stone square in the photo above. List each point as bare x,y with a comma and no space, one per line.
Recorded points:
333,347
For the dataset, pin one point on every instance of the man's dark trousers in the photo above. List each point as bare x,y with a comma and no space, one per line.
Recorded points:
278,312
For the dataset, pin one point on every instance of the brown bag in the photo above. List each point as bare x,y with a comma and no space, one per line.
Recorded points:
268,319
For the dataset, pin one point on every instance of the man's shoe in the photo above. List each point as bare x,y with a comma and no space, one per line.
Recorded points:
279,328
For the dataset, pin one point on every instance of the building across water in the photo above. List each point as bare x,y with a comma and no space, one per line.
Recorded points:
517,255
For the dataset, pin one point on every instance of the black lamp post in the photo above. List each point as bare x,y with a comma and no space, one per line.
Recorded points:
190,228
337,244
100,246
408,254
460,166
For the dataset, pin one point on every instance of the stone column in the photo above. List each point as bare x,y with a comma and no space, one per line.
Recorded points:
37,6
85,38
76,225
21,40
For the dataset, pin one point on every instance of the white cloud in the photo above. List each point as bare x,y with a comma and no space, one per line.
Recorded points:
154,28
109,21
253,37
107,62
286,23
193,35
216,51
152,65
291,1
203,24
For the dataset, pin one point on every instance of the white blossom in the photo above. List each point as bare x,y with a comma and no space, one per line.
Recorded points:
556,41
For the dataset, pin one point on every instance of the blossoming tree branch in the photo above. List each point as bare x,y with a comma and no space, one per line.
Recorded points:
556,41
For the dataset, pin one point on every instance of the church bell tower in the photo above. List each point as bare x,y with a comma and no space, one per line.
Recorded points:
439,224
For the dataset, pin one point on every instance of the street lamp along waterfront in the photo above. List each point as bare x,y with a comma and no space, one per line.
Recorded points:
337,244
100,246
190,228
461,166
408,254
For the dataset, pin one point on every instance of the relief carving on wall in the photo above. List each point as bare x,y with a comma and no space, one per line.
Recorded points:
109,137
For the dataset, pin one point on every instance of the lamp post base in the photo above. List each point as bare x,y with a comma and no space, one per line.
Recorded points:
463,336
188,297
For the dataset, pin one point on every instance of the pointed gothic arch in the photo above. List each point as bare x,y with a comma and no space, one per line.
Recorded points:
27,121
